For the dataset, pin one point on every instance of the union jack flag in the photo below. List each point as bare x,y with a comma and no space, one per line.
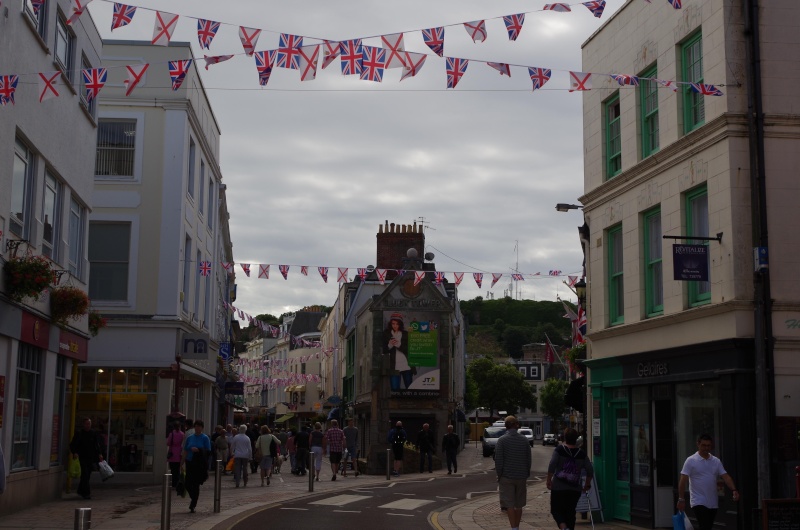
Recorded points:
706,90
514,25
381,275
351,57
554,273
518,277
8,85
361,273
241,314
434,38
373,60
264,62
560,7
400,272
342,277
539,76
580,326
123,15
330,51
624,79
675,3
439,277
457,277
596,7
496,277
456,68
284,271
478,277
289,51
418,277
263,271
323,271
246,268
37,5
304,270
249,38
414,62
205,268
93,81
503,68
178,71
206,31
476,30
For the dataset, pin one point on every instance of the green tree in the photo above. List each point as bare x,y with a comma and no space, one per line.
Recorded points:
483,344
500,386
546,330
514,339
551,395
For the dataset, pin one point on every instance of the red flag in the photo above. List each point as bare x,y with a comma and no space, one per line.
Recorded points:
549,351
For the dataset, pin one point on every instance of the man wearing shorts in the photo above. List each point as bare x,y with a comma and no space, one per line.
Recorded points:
333,444
512,459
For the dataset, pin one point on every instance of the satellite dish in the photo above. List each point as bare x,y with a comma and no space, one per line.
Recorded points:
429,256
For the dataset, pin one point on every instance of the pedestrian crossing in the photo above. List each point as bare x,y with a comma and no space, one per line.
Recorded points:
401,504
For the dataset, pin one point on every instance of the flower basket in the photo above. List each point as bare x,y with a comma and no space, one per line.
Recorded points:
96,323
27,276
67,303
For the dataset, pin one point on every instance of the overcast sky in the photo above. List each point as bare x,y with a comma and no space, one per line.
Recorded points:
313,168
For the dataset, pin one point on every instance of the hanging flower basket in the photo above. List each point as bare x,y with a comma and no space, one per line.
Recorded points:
27,276
67,303
96,322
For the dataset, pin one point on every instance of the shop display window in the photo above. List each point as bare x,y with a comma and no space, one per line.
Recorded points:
698,412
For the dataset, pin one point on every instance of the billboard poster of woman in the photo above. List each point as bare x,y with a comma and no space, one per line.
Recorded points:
411,340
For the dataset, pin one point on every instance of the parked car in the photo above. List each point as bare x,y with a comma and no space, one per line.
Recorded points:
489,439
528,433
549,439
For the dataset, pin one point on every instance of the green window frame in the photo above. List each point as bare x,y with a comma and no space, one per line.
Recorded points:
697,225
648,95
694,110
653,268
611,113
616,286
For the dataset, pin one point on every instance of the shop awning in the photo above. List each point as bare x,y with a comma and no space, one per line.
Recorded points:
284,418
300,388
288,389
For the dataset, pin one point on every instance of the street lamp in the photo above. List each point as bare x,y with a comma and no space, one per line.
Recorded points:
563,207
580,290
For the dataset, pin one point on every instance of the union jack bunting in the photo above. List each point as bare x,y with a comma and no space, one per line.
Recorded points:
580,326
36,5
514,25
518,277
675,3
373,60
246,268
263,271
323,271
93,81
164,28
216,59
330,51
361,273
580,81
476,30
264,62
554,273
351,57
123,15
47,85
400,272
206,31
560,7
496,277
308,62
76,9
289,51
393,44
241,314
381,275
414,62
284,271
706,90
439,277
226,265
456,68
572,280
478,277
457,277
249,38
342,276
205,268
434,38
668,84
135,75
418,277
596,7
624,79
8,85
503,68
539,76
304,270
178,71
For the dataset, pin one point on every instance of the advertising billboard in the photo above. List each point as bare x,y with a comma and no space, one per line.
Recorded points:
411,340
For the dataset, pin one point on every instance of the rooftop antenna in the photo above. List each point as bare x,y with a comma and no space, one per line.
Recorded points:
516,266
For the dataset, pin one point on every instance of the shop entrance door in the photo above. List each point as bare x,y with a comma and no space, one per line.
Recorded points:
622,482
664,462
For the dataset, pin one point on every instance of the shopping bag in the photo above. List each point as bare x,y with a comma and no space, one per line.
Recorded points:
180,489
687,524
105,470
229,466
74,470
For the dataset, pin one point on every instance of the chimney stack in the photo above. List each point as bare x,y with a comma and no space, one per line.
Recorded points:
394,240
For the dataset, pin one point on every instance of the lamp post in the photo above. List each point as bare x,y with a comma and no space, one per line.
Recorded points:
580,290
564,207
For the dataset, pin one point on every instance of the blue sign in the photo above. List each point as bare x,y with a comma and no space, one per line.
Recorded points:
225,350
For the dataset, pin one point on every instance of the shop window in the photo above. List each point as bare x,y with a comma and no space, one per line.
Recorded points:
697,410
640,412
29,367
653,277
697,225
109,260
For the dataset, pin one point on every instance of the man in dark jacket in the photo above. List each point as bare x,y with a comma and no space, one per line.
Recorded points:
450,445
87,447
397,439
426,443
301,456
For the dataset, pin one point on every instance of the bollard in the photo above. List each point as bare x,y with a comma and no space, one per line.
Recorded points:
388,463
166,501
218,487
797,481
311,471
83,518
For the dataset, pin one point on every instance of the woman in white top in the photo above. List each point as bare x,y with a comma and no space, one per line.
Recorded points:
395,343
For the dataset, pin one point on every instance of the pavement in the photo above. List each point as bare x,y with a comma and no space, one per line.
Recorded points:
115,505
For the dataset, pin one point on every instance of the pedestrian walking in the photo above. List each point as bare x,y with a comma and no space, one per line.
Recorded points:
426,443
397,439
512,463
242,451
569,466
315,441
291,450
351,441
220,444
333,445
253,432
196,449
301,443
701,471
267,446
174,452
278,463
450,445
87,447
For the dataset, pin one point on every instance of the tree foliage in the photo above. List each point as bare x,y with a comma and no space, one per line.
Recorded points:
500,386
514,338
551,395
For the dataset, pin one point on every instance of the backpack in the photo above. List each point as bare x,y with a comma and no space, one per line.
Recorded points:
570,471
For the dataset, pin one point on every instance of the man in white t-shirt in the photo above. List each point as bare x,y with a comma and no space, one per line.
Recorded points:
701,471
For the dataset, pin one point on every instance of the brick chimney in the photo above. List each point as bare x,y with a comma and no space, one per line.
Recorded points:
394,242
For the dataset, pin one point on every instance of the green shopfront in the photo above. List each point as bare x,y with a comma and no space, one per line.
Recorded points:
647,412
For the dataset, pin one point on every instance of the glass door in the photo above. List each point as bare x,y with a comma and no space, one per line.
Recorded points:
622,481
